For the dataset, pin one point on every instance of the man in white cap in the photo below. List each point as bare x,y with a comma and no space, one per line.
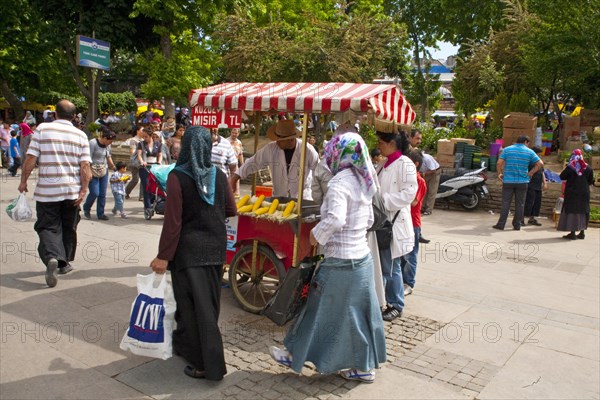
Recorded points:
282,156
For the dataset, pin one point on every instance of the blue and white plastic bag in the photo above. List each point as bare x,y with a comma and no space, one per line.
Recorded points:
152,318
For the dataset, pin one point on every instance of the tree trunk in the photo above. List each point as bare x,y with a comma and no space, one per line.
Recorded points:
166,49
13,100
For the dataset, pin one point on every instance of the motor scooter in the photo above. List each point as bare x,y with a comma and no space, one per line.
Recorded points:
465,187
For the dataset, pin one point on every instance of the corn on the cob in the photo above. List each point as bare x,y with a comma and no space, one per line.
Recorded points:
245,209
242,202
258,202
262,210
289,208
273,207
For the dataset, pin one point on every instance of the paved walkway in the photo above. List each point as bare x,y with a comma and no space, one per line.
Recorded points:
494,315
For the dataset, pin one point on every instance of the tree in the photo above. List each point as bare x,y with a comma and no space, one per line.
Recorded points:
106,19
347,48
477,78
422,20
184,58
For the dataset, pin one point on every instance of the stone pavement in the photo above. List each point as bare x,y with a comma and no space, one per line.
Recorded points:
494,315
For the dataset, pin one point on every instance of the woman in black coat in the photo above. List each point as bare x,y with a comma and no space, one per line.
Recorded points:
192,245
575,213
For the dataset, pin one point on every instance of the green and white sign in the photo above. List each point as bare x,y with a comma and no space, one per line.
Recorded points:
93,53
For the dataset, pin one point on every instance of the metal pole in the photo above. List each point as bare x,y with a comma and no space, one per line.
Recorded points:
300,188
93,97
257,123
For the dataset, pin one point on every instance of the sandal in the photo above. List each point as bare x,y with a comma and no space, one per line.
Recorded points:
194,372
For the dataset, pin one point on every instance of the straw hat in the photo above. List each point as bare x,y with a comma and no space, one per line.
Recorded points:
283,130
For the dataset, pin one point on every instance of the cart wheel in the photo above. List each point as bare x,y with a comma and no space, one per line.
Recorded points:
254,285
225,276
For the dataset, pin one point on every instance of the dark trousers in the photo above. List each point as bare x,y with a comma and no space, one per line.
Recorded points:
519,191
135,178
197,337
16,164
533,202
148,197
56,227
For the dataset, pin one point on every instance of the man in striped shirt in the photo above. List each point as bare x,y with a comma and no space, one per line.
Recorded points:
513,171
223,155
63,154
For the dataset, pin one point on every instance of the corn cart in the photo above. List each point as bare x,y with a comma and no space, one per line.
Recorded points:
262,245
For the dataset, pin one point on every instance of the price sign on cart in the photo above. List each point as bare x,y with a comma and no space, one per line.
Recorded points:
214,118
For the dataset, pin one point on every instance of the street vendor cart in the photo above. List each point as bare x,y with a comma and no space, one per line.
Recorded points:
263,244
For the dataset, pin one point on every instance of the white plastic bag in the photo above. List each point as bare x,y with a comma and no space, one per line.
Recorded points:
19,209
152,318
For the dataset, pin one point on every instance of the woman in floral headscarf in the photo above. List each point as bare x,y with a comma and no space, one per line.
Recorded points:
575,213
341,329
192,246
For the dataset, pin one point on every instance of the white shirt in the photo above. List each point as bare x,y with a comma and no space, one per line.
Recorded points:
285,182
429,163
223,155
60,149
398,183
346,214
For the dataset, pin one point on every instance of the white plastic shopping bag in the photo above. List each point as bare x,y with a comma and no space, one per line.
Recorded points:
152,318
19,209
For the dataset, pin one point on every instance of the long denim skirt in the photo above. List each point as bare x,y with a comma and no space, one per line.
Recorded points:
341,326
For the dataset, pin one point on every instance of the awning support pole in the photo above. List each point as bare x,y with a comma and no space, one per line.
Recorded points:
300,188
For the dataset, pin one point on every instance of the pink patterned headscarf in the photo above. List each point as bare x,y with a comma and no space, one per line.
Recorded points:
576,162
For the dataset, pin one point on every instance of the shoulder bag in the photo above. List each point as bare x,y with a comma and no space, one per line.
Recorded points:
99,169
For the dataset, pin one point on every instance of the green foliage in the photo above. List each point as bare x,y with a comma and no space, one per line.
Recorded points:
349,48
430,136
116,102
500,109
594,213
519,102
93,127
367,132
483,138
188,67
478,78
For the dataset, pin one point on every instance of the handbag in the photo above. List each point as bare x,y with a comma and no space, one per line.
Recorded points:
385,233
152,318
291,295
379,214
99,170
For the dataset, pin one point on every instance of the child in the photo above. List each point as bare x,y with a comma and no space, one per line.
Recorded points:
117,184
15,153
408,262
533,201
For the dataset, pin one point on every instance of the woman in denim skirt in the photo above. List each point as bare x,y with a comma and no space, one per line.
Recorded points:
341,328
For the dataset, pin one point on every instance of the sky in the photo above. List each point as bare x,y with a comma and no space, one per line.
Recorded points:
446,50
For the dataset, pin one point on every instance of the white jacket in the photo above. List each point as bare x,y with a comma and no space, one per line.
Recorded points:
285,183
398,185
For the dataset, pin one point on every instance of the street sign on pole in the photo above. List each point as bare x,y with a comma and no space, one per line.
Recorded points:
93,53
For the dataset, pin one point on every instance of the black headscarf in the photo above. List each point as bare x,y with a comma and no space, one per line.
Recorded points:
195,161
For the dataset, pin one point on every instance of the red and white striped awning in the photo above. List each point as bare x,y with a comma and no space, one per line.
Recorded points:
387,101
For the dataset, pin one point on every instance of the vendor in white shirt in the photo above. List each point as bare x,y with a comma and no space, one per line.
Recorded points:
282,156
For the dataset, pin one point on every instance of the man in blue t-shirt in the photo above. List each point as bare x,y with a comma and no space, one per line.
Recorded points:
513,171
